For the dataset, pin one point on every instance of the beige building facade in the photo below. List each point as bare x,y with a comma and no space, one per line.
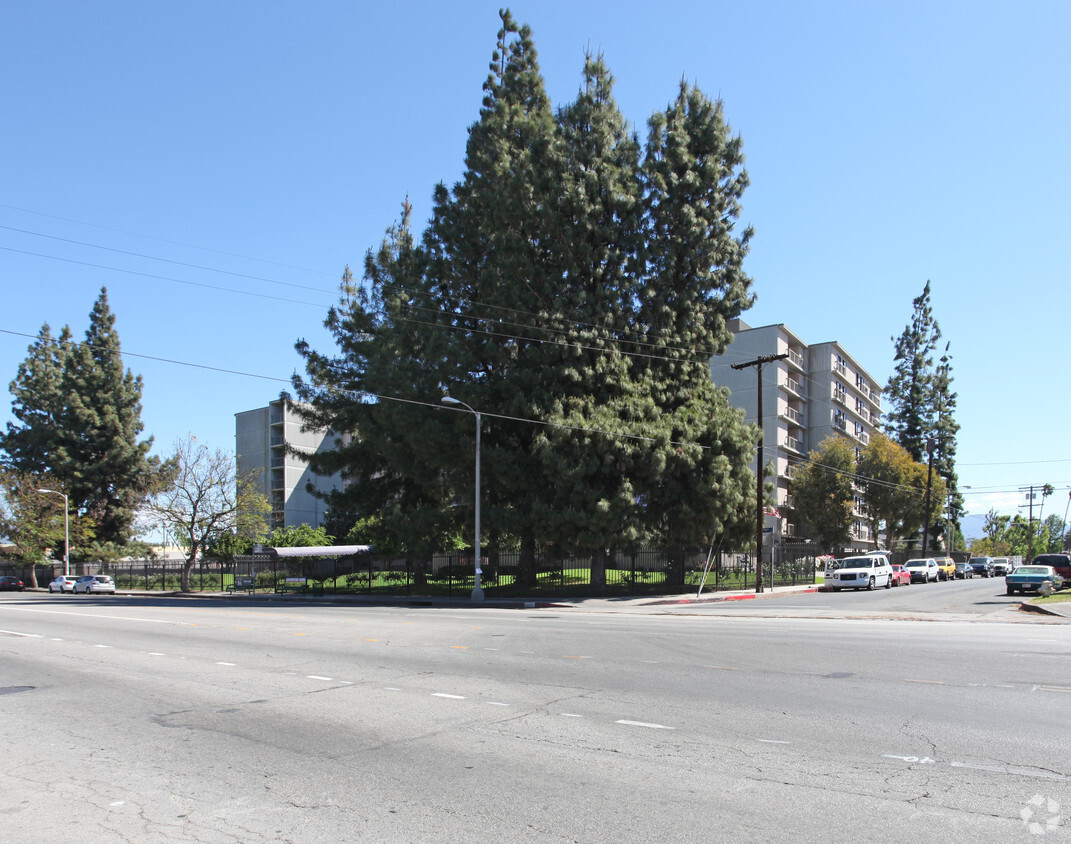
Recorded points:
264,438
817,391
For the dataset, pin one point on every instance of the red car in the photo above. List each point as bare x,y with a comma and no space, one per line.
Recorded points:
900,576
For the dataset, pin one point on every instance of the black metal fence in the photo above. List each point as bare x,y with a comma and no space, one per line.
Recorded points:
643,571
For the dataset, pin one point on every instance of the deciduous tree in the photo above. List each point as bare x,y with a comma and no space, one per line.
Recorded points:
205,498
823,493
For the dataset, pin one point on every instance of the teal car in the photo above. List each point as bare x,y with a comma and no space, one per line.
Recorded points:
1030,578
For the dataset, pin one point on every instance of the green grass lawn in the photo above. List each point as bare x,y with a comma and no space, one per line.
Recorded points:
1058,598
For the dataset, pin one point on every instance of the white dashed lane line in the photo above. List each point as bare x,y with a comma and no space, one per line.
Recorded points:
645,724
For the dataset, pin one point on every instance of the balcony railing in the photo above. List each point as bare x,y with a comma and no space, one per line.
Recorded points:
840,423
790,471
793,443
840,396
863,436
840,367
793,386
795,358
793,415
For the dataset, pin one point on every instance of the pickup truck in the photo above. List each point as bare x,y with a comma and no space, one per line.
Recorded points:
1029,579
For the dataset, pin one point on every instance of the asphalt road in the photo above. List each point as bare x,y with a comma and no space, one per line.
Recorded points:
978,598
152,720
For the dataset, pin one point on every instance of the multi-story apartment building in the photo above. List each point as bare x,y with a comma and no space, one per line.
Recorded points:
264,438
817,391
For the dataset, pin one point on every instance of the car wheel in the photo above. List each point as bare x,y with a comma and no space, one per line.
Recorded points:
870,584
1011,590
888,582
51,590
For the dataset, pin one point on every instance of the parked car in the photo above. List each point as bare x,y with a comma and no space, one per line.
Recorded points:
94,583
1061,563
982,566
923,570
963,571
63,583
1001,566
865,572
946,568
901,576
1030,578
11,584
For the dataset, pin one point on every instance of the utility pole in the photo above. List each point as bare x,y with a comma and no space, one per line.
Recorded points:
1030,526
758,364
929,483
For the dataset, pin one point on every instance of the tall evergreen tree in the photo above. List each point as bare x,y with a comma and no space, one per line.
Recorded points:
921,417
594,406
38,396
492,244
534,297
910,417
693,285
107,469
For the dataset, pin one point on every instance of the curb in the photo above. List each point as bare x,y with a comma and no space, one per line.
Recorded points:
720,598
1041,609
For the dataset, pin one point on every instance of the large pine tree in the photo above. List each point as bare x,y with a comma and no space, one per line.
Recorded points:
572,295
106,467
37,398
909,419
921,415
694,284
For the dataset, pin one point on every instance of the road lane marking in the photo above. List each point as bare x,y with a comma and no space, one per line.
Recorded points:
153,653
443,694
391,689
928,682
102,646
95,615
1053,689
773,741
571,715
225,663
496,703
645,724
722,668
460,647
318,677
23,635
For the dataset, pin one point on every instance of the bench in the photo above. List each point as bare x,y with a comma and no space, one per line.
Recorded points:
292,584
243,584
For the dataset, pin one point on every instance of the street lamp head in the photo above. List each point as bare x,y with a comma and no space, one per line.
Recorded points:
450,400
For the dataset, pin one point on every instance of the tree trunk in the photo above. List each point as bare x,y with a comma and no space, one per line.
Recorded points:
598,567
526,576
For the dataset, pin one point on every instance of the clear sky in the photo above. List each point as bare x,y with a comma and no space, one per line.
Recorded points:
216,165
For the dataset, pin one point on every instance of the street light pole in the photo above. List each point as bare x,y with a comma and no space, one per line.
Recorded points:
66,532
477,590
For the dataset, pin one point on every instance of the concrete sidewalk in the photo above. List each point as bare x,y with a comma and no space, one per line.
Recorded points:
623,604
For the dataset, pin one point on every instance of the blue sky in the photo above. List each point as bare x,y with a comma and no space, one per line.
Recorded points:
217,165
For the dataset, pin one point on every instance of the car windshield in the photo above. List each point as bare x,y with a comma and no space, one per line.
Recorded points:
855,563
914,564
1032,570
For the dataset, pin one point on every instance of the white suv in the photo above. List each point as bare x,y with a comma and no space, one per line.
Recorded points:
866,572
